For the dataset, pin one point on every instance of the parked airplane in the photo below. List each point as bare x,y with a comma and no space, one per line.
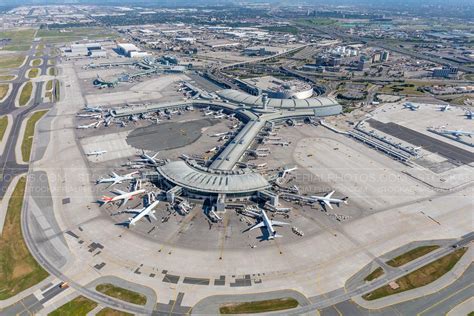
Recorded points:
287,170
411,106
87,126
96,153
140,213
92,108
267,223
457,133
115,179
125,196
147,158
89,115
327,199
469,114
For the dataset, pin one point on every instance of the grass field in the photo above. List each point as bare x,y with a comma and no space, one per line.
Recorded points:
459,100
36,62
259,306
52,71
423,276
401,89
3,126
317,22
49,85
11,61
51,62
33,73
79,306
3,90
20,39
26,93
6,77
40,46
283,29
29,134
374,274
112,312
49,95
411,255
18,269
122,294
74,34
39,53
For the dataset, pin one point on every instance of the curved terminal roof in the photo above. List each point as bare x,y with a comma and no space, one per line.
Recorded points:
201,179
252,100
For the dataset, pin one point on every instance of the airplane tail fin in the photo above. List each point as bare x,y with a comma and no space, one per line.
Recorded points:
344,199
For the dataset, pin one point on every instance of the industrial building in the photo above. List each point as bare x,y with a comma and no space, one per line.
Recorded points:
130,50
85,49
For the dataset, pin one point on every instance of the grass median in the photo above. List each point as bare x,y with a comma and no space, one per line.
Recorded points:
3,126
7,77
36,62
421,277
79,306
52,71
3,90
25,94
259,306
18,269
411,255
374,274
121,293
33,73
29,134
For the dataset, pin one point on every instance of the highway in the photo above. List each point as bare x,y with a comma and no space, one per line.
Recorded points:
390,276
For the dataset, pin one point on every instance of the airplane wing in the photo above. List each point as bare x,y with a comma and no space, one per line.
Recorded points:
328,204
329,194
115,175
277,223
120,191
152,215
116,182
261,224
125,200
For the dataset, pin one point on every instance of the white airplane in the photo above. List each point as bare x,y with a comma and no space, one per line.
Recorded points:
115,179
411,106
457,133
87,126
89,115
147,158
267,223
96,153
327,199
444,108
125,196
469,114
92,108
207,113
219,116
140,213
220,134
288,170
